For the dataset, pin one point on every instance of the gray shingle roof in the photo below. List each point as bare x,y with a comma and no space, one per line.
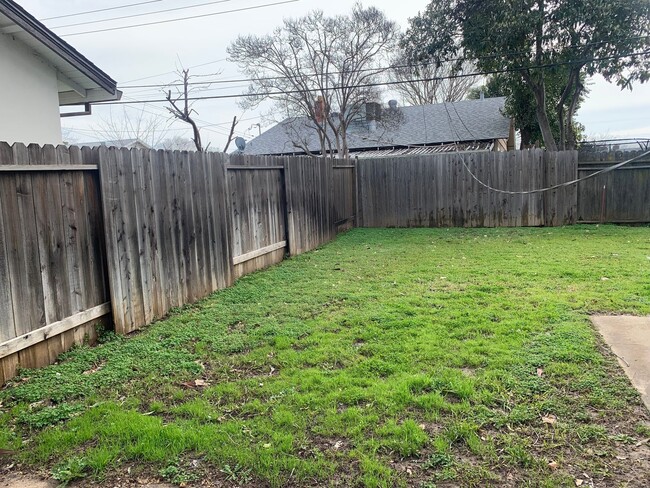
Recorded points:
129,143
471,120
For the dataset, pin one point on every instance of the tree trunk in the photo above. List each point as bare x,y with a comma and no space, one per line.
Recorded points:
526,137
571,133
539,90
564,127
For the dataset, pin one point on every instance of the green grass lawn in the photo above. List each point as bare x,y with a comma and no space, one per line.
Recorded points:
424,357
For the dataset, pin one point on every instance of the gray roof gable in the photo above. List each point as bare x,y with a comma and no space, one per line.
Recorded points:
467,120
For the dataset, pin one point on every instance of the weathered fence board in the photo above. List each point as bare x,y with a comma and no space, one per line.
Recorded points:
620,196
344,196
439,191
51,252
309,197
257,200
167,230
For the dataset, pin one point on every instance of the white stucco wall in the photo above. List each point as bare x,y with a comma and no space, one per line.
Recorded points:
29,98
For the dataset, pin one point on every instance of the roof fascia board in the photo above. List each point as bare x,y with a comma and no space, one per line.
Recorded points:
92,96
27,23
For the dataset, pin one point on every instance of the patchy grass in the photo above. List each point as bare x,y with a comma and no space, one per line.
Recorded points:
428,357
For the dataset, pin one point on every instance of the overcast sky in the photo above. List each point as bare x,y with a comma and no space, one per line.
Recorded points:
150,54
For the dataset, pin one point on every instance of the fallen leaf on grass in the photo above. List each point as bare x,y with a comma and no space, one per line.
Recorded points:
640,443
337,445
549,419
604,278
579,482
94,369
553,465
267,446
196,384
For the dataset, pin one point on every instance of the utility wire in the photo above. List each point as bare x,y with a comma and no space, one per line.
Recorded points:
387,83
540,190
140,14
174,72
180,19
101,10
377,69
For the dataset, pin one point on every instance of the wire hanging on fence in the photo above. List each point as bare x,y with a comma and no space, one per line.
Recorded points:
529,192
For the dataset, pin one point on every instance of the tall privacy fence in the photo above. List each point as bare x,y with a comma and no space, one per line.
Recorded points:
621,196
122,236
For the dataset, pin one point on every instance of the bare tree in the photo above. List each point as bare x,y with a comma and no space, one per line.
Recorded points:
181,108
177,143
231,135
428,83
316,69
132,124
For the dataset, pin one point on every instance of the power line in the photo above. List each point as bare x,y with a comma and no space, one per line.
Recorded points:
378,69
207,89
101,10
140,14
174,72
208,126
180,19
389,83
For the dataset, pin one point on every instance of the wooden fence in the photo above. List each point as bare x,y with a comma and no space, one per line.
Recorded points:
125,235
53,285
620,196
439,191
345,198
256,191
167,231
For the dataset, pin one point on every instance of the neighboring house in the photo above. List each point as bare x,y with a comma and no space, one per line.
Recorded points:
128,143
388,131
39,73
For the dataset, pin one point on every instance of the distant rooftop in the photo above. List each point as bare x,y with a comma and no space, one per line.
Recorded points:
128,143
423,125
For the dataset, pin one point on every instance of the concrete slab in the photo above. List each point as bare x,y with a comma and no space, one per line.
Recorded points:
24,481
629,339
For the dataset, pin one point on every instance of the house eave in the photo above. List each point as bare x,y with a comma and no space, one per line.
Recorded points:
25,26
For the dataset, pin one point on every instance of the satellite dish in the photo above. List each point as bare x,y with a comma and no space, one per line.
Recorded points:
240,142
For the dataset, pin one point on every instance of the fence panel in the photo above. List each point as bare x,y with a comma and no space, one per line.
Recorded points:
310,207
257,200
53,284
167,230
442,190
620,196
344,196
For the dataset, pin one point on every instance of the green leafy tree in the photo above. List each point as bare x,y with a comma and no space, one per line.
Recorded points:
521,105
532,38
